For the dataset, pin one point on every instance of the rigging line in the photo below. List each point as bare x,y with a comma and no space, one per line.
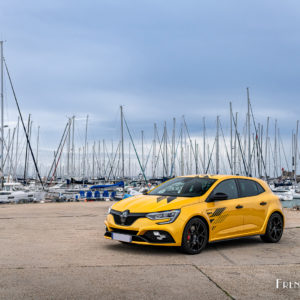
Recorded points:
61,151
173,162
108,164
26,152
8,148
252,154
113,161
135,149
18,158
230,165
12,155
105,163
57,151
273,156
21,117
285,158
255,157
97,160
260,149
211,153
191,143
7,155
160,152
239,142
148,156
175,156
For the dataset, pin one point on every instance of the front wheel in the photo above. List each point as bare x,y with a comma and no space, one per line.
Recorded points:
274,229
195,236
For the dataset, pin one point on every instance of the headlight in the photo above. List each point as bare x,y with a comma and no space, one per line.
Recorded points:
108,211
171,215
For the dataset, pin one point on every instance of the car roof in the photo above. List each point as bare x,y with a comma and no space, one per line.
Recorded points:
221,176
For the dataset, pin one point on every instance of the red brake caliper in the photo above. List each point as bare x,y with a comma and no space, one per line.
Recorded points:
189,235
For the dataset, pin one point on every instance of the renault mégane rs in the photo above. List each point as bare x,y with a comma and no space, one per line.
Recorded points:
191,211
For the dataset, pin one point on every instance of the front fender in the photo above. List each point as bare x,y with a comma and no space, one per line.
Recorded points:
192,211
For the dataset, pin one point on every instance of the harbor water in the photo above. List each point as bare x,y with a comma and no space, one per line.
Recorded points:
290,204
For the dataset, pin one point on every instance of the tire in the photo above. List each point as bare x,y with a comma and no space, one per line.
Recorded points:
274,229
194,237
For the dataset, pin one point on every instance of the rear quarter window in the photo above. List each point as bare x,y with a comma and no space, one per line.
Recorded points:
249,188
260,189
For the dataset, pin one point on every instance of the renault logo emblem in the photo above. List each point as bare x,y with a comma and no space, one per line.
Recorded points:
123,216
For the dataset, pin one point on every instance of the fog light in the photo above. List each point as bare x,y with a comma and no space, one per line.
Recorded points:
159,236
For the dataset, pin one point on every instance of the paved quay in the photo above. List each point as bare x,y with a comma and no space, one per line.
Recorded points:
57,251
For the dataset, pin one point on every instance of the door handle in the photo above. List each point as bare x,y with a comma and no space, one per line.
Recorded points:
239,206
263,203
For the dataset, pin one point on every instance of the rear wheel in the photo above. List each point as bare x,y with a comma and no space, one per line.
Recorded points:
274,229
195,236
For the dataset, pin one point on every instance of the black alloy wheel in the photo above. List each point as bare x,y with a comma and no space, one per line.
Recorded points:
195,236
274,229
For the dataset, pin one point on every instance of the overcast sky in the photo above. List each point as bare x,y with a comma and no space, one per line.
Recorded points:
160,59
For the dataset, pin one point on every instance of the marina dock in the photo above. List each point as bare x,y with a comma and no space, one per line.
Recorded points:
57,251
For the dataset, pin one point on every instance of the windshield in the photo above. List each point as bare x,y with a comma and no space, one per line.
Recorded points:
184,187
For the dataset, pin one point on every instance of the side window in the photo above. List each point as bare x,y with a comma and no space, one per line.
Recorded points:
228,187
249,188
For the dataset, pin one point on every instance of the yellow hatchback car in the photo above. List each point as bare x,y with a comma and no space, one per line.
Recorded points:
190,211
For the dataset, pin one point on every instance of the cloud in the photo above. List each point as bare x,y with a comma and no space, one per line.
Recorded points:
159,59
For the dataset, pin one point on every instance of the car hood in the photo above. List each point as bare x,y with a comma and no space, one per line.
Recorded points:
149,203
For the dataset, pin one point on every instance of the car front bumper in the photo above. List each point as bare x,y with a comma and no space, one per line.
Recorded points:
144,231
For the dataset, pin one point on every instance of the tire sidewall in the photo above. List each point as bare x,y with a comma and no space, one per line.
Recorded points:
184,237
269,227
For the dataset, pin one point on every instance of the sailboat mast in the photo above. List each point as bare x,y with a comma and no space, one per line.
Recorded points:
73,148
85,148
37,148
166,150
154,153
217,148
122,141
2,111
129,161
104,163
235,144
26,153
204,146
249,134
266,145
181,151
17,147
99,158
231,140
173,148
275,150
93,155
296,151
68,148
143,164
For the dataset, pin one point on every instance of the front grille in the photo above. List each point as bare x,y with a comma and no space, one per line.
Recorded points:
129,220
124,231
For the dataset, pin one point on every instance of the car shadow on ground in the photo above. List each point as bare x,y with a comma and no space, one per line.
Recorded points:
244,242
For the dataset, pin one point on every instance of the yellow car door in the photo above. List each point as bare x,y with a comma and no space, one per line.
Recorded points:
223,211
255,205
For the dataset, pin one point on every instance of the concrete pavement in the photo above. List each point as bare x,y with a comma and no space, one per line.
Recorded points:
57,251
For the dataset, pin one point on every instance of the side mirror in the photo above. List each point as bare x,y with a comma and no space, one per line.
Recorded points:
218,197
145,192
